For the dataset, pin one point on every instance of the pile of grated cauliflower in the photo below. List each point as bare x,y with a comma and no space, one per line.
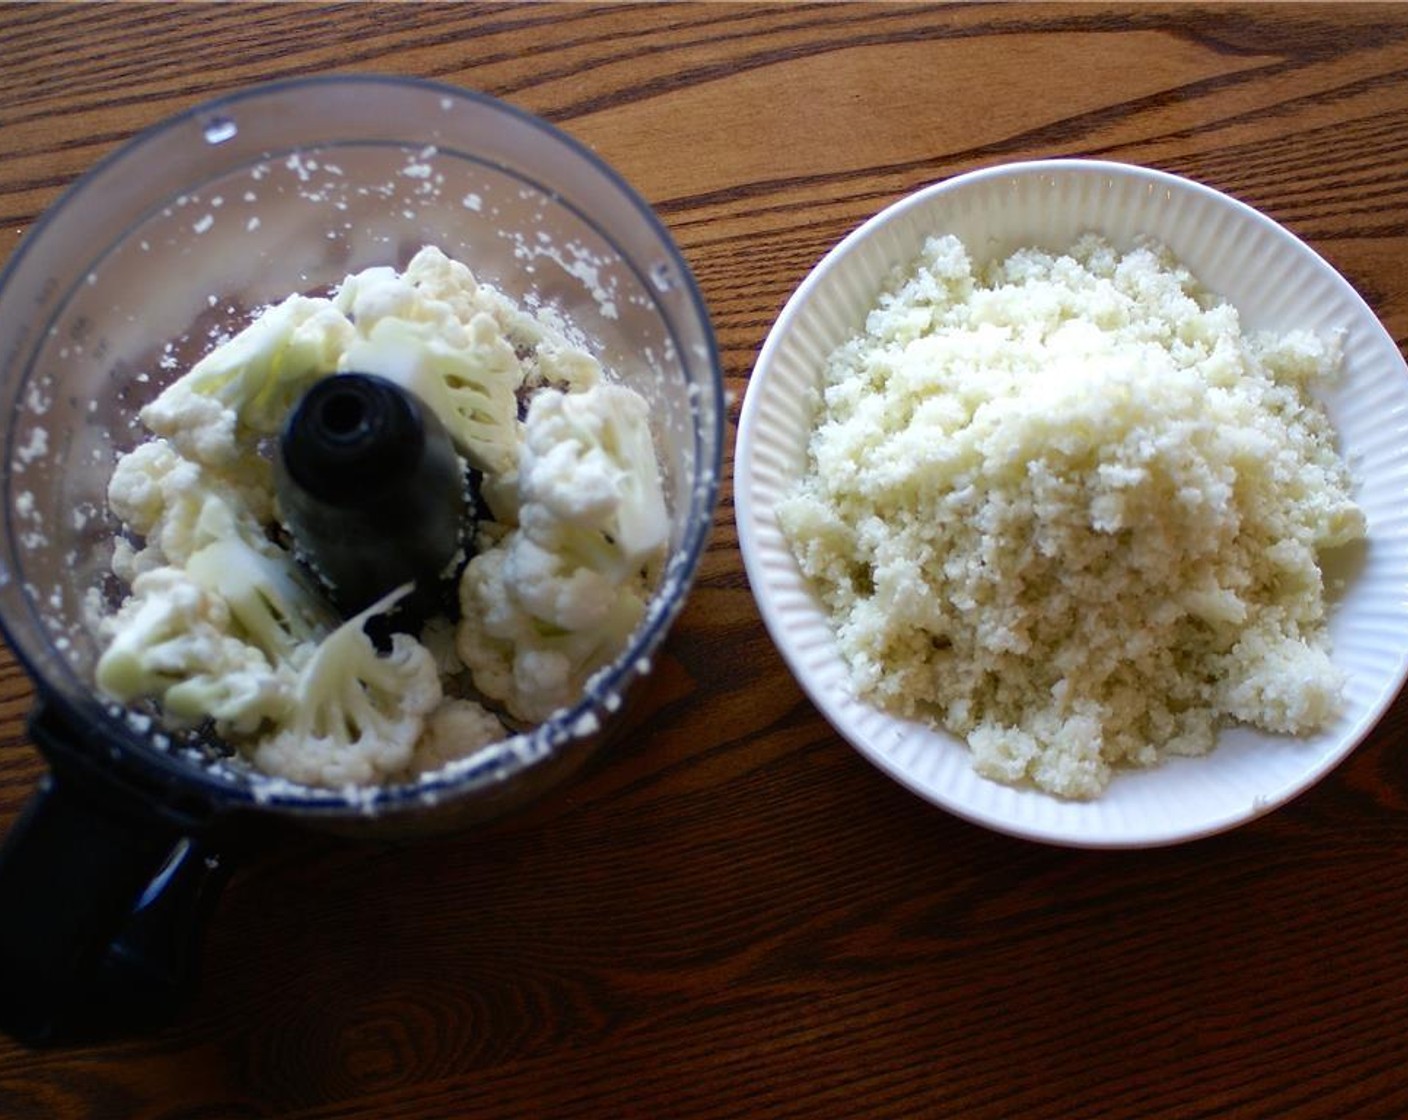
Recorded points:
1067,509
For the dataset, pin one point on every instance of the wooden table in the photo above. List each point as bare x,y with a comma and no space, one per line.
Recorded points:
734,915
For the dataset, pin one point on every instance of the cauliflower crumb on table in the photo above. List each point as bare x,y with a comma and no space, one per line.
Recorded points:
1071,512
223,624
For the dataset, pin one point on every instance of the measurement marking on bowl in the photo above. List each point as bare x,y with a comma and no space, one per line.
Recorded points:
217,130
663,277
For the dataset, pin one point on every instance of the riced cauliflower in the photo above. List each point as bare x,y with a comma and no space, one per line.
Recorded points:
221,624
1069,510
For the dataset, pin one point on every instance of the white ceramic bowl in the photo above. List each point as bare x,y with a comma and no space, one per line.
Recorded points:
1276,281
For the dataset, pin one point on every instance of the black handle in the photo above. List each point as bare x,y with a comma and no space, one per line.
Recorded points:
103,893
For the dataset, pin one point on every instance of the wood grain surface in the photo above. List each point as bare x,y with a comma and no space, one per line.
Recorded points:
733,915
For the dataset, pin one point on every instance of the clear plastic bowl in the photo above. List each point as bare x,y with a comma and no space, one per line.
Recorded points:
188,229
174,240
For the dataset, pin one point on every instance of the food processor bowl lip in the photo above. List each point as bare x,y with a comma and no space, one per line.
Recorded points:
209,108
93,715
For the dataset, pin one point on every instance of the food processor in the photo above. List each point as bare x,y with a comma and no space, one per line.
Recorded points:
171,244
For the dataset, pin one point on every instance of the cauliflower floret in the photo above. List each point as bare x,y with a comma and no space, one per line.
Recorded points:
470,386
454,730
249,384
558,596
589,464
554,585
357,713
175,639
222,635
491,622
432,330
274,605
437,278
531,665
378,293
432,289
557,363
173,503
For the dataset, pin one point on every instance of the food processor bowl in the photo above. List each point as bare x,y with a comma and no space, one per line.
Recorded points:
169,245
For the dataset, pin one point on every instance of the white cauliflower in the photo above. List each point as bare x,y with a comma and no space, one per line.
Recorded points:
589,480
470,383
241,637
558,597
176,640
432,330
445,288
432,289
357,713
454,730
455,343
218,618
557,363
243,389
439,279
221,635
273,604
169,501
222,624
530,663
228,628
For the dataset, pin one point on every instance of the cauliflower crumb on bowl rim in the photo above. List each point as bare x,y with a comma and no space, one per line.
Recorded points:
1275,281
